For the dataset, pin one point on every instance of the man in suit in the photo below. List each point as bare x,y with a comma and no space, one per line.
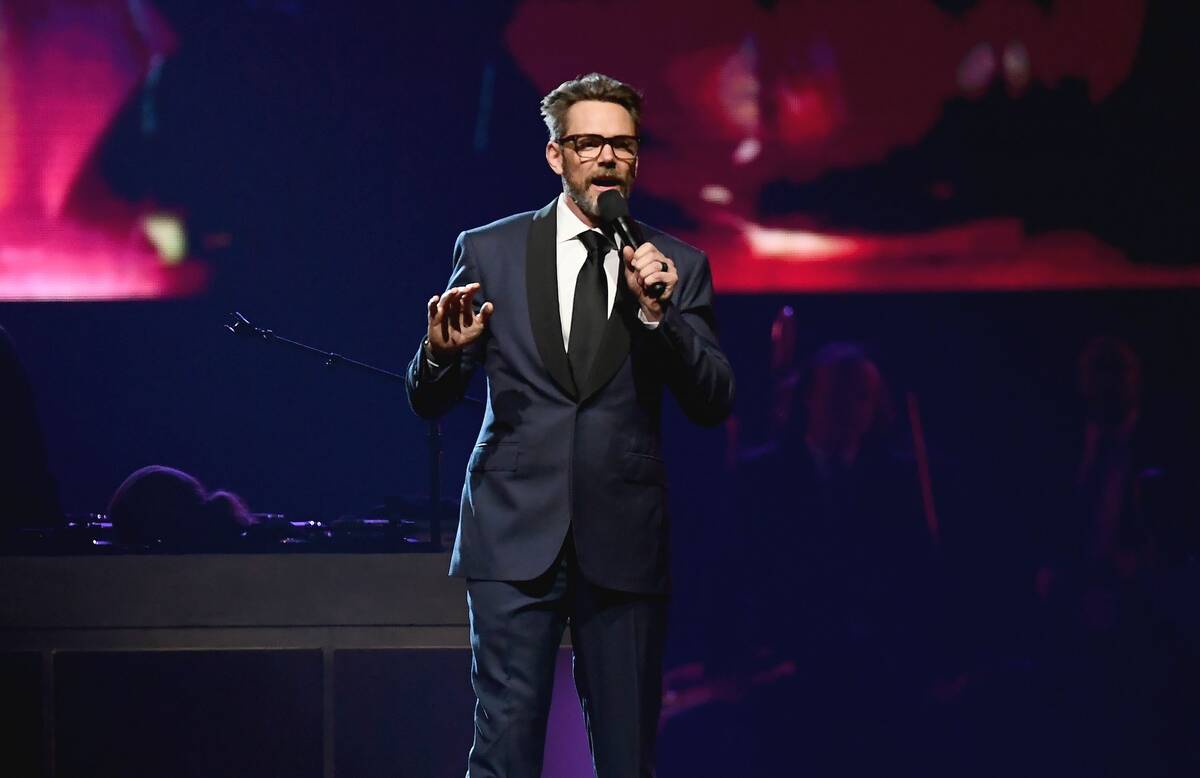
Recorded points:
563,517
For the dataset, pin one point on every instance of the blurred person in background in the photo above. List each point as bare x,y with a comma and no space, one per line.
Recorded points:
167,509
1120,656
847,587
840,640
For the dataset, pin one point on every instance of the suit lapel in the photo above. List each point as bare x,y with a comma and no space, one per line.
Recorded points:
541,286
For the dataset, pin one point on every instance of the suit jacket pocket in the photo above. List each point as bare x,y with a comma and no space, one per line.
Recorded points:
491,456
643,469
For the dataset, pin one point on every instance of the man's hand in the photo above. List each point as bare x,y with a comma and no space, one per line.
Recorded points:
644,268
453,323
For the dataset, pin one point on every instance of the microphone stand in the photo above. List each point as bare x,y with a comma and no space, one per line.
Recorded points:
239,325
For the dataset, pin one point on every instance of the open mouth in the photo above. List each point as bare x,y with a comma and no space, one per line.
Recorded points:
607,182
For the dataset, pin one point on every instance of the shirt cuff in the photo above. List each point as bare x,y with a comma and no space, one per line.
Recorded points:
650,325
433,369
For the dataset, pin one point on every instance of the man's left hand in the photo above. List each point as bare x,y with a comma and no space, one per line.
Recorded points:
644,268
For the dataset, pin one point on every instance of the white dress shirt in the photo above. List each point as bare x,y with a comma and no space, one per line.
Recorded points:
571,256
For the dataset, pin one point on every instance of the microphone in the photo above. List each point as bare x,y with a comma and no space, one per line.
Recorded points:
614,214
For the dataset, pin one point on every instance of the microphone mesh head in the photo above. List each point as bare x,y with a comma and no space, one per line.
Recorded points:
612,206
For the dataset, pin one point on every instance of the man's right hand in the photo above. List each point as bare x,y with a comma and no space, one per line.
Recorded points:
453,323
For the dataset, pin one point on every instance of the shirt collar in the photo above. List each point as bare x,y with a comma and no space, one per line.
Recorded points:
568,224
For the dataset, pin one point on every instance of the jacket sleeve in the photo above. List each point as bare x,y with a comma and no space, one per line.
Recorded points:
433,391
696,370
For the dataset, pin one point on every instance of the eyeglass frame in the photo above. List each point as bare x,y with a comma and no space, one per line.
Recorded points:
607,141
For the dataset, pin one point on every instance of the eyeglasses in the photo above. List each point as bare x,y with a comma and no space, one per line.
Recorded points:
588,147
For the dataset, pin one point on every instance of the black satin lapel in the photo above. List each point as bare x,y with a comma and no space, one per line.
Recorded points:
541,287
614,344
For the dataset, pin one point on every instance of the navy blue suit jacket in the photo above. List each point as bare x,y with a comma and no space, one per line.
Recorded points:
552,455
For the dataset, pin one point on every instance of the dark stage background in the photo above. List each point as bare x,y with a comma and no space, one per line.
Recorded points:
970,191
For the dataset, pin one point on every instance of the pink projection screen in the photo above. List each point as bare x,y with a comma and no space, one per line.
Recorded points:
806,146
66,68
758,114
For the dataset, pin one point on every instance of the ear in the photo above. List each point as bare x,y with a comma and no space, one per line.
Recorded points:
554,157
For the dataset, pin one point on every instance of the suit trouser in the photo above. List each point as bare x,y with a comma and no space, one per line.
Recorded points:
617,640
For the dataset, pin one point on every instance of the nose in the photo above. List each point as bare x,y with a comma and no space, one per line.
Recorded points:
607,156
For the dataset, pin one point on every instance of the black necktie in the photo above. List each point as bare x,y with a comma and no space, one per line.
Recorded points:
590,311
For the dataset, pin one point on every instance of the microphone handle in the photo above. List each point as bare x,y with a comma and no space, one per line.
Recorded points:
631,235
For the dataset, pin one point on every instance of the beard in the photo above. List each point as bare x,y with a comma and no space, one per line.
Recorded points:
577,185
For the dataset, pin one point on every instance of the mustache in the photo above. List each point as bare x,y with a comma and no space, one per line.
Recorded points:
609,178
611,175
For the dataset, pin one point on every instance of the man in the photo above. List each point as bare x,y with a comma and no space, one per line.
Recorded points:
563,515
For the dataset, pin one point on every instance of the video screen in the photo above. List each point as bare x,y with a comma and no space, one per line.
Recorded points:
898,146
808,147
67,69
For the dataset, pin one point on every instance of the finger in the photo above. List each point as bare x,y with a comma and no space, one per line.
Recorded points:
440,314
447,299
446,311
668,280
654,260
627,254
485,313
468,310
656,268
632,280
454,312
433,308
648,250
655,278
468,291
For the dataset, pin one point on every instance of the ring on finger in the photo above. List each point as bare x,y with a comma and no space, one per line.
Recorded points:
664,266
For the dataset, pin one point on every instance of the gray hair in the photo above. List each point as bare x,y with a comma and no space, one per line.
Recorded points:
593,86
